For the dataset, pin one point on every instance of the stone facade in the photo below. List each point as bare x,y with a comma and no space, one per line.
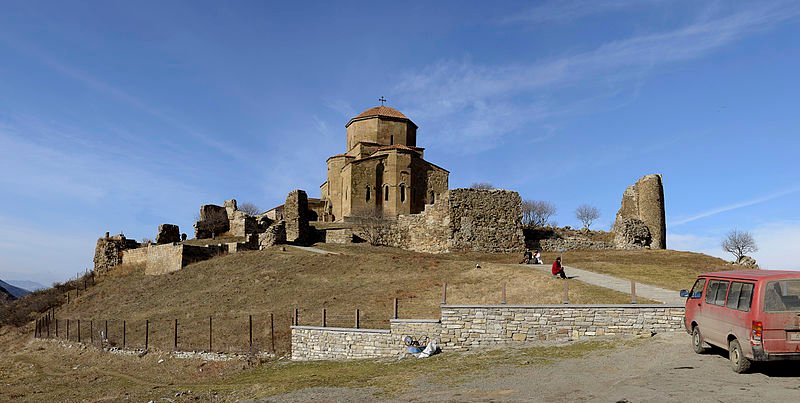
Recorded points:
108,251
465,326
463,220
295,213
168,233
644,201
383,173
213,222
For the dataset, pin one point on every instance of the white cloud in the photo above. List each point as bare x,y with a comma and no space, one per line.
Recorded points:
735,206
471,100
565,11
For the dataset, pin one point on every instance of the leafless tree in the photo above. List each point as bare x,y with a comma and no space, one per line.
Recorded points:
249,208
739,243
482,186
537,213
372,227
586,214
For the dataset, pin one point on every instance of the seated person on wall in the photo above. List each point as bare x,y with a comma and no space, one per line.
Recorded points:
537,257
557,269
526,257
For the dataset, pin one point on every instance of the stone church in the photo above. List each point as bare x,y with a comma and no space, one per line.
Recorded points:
382,173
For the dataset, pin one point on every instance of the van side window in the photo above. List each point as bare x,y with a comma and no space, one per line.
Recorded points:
697,287
740,296
717,290
746,297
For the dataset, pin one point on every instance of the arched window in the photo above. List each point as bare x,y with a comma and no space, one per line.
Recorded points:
368,193
386,192
433,197
403,192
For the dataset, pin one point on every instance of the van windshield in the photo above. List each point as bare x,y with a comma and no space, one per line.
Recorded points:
783,295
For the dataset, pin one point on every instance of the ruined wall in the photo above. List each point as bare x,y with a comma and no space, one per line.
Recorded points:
465,326
463,220
274,235
295,212
168,233
486,220
108,251
162,259
340,236
643,201
213,221
559,244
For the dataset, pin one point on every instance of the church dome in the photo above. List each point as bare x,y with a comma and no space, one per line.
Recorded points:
380,112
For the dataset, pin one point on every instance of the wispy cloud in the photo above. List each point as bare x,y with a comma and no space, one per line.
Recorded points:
464,98
564,11
735,206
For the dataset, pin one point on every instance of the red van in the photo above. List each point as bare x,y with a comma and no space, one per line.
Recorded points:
754,314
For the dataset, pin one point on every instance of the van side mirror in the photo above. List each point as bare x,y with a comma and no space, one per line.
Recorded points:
684,293
697,295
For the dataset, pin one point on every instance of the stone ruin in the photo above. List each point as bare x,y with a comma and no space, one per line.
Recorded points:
296,215
641,220
109,250
168,233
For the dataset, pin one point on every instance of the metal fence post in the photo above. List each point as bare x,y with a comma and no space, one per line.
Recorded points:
272,331
396,308
324,317
358,318
210,333
444,294
633,292
124,333
251,332
146,334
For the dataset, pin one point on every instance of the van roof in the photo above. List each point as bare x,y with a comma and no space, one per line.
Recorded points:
754,274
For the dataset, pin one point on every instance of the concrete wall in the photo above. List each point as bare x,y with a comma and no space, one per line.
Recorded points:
465,326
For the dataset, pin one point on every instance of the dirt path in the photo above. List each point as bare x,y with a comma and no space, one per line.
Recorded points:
661,369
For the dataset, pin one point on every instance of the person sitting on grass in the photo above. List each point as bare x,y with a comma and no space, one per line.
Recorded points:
558,270
537,257
526,257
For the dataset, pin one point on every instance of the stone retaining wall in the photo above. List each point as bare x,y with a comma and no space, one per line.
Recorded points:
465,326
559,244
162,259
335,343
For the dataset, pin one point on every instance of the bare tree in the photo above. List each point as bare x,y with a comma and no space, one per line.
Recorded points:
372,227
537,213
739,243
249,208
586,214
482,186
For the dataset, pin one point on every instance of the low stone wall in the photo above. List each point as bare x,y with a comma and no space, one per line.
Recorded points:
465,326
559,244
340,236
335,343
331,343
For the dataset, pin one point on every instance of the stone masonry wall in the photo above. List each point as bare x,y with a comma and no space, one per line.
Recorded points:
162,259
331,343
295,212
470,326
558,244
463,220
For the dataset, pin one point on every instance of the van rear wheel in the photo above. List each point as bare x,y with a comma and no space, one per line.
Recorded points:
697,341
739,362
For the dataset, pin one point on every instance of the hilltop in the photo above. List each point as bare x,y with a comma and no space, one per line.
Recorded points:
359,276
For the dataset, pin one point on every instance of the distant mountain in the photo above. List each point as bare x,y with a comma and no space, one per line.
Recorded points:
26,285
15,292
5,296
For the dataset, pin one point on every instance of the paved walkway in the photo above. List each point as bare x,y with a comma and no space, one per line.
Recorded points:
617,284
313,250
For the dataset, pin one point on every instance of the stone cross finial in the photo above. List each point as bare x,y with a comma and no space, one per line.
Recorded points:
382,100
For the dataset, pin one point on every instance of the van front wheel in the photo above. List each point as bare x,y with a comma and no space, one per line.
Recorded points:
739,362
697,341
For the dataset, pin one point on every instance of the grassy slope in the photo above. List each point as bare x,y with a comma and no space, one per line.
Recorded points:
666,268
262,282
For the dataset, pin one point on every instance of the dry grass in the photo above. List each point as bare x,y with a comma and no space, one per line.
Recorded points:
665,268
258,283
46,371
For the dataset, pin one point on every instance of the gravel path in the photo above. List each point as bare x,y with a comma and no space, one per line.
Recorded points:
617,284
660,369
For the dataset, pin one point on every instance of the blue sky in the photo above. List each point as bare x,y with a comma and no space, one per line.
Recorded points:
118,116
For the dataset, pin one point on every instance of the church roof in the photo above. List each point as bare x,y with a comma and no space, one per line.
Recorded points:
399,147
380,111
